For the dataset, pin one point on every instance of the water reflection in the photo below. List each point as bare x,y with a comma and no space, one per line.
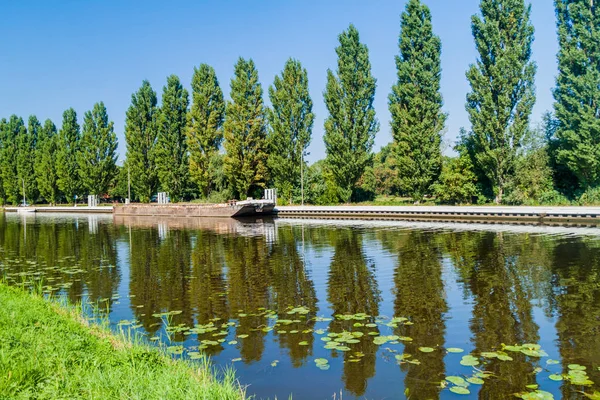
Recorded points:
242,276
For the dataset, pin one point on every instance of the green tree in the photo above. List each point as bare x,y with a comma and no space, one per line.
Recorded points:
416,102
141,132
26,154
351,125
13,130
577,92
3,132
205,122
291,121
66,156
502,88
171,148
245,132
97,156
45,163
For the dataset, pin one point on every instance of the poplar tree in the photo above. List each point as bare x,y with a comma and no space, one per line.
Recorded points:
502,88
245,132
171,148
3,132
291,121
45,163
26,154
97,158
66,156
577,92
13,129
351,125
205,123
416,102
141,133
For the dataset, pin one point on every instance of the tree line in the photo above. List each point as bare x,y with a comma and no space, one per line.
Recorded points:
203,146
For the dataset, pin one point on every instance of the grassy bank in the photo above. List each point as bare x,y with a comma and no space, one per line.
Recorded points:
48,351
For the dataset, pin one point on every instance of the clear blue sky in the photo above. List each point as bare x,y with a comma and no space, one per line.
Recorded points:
60,54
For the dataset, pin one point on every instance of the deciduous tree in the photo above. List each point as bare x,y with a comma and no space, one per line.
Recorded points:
205,123
502,88
416,102
351,125
245,132
291,121
66,156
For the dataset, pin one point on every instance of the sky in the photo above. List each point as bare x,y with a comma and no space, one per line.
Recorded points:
60,54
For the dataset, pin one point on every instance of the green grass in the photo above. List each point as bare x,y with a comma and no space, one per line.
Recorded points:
49,351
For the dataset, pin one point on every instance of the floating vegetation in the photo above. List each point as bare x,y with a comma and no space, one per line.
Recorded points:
322,363
454,350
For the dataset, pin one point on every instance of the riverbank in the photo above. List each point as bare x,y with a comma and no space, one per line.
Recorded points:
50,351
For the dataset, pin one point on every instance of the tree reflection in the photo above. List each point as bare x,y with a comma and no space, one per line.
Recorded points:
159,277
420,297
502,311
577,276
248,273
352,288
293,288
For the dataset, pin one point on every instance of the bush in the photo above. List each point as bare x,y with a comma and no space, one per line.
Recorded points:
457,182
590,197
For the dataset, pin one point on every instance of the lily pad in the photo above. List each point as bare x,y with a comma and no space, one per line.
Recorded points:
457,380
454,350
475,380
469,361
426,349
459,390
303,343
556,377
576,367
552,362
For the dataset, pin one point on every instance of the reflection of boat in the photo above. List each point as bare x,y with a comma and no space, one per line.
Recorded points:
244,208
21,210
244,227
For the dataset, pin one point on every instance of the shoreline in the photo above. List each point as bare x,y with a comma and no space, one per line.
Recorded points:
51,351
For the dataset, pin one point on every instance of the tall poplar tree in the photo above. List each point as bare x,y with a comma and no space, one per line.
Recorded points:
205,123
97,156
66,156
141,133
26,154
351,125
502,88
577,92
291,121
13,130
416,102
3,134
171,148
45,163
245,132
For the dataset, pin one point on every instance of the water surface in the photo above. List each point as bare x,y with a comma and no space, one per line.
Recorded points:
266,296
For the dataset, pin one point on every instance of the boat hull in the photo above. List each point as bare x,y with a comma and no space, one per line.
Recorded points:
195,210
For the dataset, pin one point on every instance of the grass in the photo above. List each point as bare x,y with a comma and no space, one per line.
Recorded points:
49,351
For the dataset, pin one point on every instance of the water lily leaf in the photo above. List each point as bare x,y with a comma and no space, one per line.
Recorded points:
371,325
475,380
537,370
405,339
175,349
457,380
321,361
537,395
531,353
556,377
576,367
416,362
593,396
319,331
232,342
351,341
534,386
402,357
274,363
426,349
303,343
552,362
242,336
454,350
459,390
469,361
